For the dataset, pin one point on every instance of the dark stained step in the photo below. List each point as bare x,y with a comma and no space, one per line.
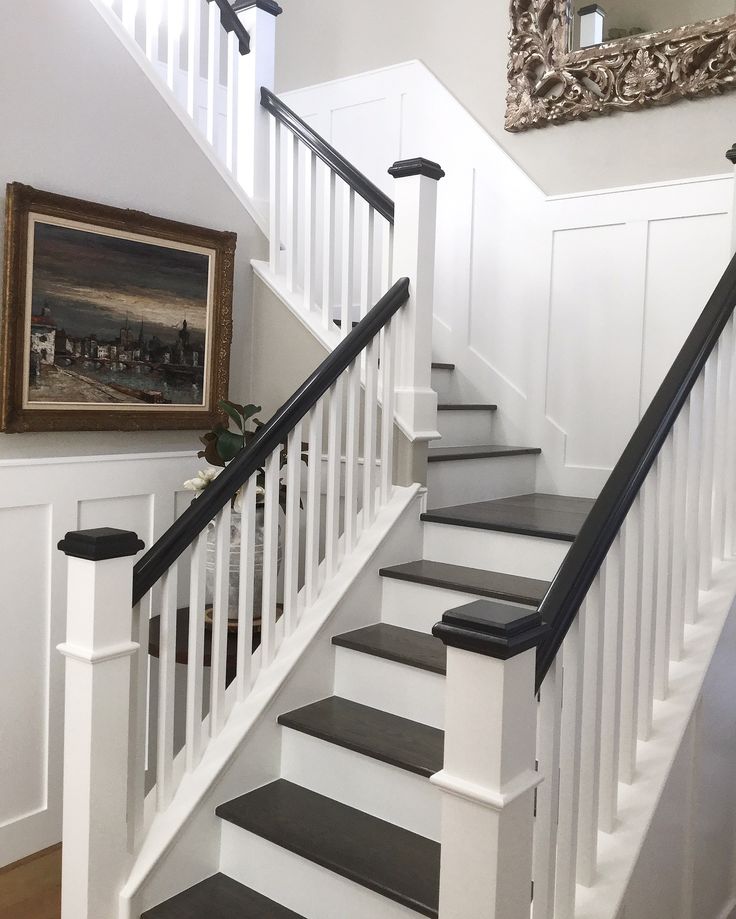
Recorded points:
392,643
397,741
219,897
385,858
439,365
481,451
494,584
466,407
549,516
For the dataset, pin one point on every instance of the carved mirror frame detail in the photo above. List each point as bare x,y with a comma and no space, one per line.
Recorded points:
550,84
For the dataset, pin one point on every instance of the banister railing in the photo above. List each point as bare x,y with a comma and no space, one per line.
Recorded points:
231,23
583,562
205,508
342,167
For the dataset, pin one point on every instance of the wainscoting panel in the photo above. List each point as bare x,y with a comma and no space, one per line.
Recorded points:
40,501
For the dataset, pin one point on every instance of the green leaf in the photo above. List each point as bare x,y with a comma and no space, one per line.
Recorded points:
232,411
250,410
229,445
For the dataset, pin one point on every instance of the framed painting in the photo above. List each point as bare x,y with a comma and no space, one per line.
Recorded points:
112,319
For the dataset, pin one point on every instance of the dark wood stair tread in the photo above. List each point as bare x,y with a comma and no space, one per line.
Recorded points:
385,858
494,584
478,451
219,897
393,643
466,407
397,741
549,516
441,365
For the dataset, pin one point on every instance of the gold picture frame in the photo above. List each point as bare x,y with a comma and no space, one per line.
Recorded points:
551,84
112,319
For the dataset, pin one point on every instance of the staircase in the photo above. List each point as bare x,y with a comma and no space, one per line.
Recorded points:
504,672
353,817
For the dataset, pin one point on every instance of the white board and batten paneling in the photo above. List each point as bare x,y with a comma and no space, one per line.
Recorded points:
566,311
40,501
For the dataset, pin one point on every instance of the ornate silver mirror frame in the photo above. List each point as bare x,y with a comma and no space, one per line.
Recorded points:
549,83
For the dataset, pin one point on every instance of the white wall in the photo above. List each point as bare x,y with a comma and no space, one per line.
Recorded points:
40,501
565,311
80,118
466,46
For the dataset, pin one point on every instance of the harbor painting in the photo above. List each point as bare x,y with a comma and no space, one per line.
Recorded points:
126,317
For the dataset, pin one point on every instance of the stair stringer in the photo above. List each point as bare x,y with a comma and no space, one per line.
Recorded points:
652,811
183,845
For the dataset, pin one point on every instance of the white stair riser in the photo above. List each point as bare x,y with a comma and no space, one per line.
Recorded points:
442,384
526,556
464,481
388,792
462,428
419,606
390,687
298,884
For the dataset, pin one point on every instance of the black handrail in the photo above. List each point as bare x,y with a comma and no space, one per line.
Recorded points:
587,553
157,561
231,23
327,153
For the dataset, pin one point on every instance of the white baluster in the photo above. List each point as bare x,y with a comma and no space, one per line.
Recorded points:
680,540
348,260
139,708
213,69
387,256
310,231
352,448
293,216
334,462
195,651
153,27
129,15
611,705
570,726
328,248
721,470
173,37
275,198
231,102
293,518
730,491
270,557
647,602
548,764
246,588
314,488
630,642
166,690
692,512
370,476
387,410
194,56
664,572
218,672
367,261
706,471
590,736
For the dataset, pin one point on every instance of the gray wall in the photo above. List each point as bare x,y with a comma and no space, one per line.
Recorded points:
79,117
465,45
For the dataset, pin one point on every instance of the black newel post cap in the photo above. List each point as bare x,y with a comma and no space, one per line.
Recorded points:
591,8
731,154
495,629
417,166
100,544
268,6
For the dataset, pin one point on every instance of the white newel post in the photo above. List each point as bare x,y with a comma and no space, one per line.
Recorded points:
98,651
256,71
415,222
731,157
489,773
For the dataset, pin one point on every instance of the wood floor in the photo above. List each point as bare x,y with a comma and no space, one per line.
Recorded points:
31,888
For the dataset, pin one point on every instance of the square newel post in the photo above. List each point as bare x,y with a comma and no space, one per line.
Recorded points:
98,652
489,773
256,70
731,157
415,225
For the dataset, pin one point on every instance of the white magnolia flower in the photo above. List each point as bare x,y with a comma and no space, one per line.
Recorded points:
202,479
238,502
